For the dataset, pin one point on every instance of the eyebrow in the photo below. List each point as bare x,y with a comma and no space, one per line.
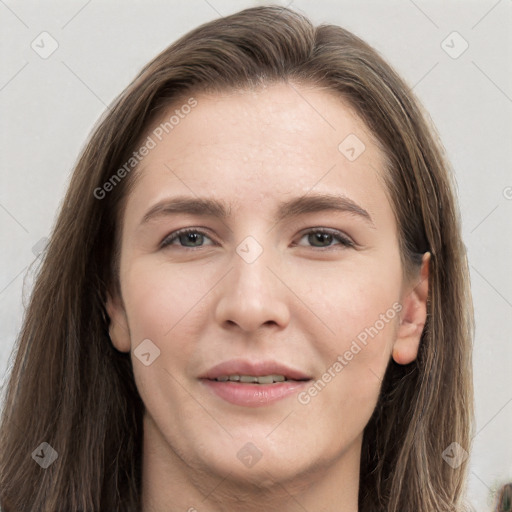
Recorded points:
286,210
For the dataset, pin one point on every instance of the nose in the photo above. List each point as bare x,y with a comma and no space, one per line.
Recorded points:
252,295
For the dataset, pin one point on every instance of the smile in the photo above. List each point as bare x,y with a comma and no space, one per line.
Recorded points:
252,379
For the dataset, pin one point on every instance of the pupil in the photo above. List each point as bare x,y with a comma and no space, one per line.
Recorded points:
322,237
192,237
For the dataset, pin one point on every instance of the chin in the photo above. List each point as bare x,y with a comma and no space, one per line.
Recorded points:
256,463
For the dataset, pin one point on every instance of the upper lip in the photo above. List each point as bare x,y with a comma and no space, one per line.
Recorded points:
255,368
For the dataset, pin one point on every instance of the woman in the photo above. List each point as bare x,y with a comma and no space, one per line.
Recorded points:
310,350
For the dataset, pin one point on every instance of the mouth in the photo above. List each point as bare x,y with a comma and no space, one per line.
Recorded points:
253,384
255,379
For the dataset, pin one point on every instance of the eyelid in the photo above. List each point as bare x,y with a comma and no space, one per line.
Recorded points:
171,237
344,240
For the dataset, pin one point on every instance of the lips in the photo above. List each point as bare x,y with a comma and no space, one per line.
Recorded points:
253,384
254,368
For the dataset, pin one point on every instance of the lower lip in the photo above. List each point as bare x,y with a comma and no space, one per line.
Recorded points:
253,395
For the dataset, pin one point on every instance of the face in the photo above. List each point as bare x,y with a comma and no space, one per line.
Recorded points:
294,272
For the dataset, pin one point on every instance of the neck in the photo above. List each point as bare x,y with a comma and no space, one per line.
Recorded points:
169,484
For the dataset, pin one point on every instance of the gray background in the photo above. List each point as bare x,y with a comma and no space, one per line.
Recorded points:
49,105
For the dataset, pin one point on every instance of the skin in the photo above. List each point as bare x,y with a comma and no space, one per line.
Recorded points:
302,302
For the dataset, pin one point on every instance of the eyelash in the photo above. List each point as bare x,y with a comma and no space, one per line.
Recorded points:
344,241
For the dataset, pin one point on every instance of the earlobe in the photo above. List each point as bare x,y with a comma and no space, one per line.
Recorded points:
118,328
413,317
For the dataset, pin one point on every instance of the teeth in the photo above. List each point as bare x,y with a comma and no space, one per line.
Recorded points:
248,379
265,379
251,379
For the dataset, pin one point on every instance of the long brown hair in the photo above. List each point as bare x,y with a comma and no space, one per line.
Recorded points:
70,388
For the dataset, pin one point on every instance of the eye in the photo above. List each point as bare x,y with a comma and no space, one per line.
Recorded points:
323,237
193,235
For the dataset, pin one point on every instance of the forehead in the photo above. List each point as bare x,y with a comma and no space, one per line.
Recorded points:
254,146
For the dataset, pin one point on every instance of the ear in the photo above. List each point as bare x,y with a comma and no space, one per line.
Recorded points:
118,329
412,317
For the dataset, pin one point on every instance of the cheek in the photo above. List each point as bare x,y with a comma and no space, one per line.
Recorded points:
357,301
367,320
166,305
362,314
161,300
355,360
